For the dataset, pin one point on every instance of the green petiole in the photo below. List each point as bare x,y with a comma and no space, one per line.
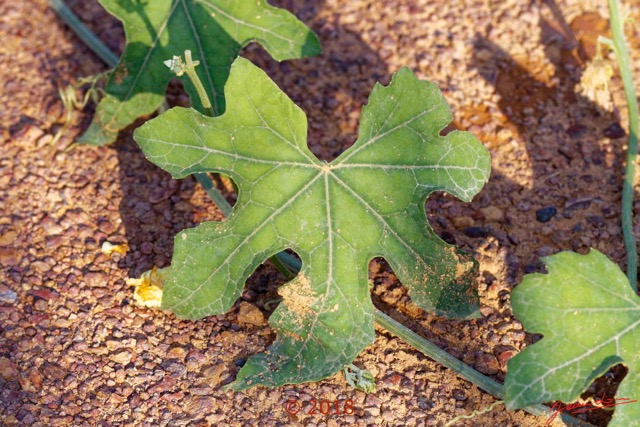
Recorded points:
622,54
188,67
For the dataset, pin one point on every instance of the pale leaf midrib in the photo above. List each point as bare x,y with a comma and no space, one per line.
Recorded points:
329,281
605,289
247,24
390,166
213,151
589,309
359,146
312,160
380,219
268,220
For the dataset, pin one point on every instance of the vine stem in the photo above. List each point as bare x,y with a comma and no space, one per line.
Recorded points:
86,35
442,357
90,39
622,55
213,193
290,265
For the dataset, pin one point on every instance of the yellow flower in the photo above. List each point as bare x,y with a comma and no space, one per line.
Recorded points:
109,249
148,288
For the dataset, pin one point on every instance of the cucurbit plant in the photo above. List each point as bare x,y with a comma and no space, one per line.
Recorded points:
337,216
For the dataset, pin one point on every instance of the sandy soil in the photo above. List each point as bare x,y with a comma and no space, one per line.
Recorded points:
75,350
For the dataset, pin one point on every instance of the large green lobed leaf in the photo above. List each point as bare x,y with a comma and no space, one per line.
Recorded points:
590,319
214,30
337,216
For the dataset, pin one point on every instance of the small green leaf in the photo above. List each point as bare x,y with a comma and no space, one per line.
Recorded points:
337,216
215,30
590,319
360,379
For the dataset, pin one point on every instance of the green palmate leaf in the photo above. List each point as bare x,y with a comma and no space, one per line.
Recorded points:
590,319
214,30
337,216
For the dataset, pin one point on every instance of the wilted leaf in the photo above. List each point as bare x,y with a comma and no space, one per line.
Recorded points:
360,379
590,319
215,30
337,216
594,83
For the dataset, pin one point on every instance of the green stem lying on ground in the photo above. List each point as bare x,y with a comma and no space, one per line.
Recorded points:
93,42
622,55
442,357
290,265
436,353
88,38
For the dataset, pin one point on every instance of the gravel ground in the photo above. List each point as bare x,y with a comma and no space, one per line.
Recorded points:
76,351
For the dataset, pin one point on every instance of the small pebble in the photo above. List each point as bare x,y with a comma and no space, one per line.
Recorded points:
476,232
8,370
425,404
504,357
545,214
596,220
576,130
459,395
536,267
250,314
146,248
493,214
614,131
177,353
486,363
462,222
448,237
176,368
123,357
96,279
200,405
393,380
9,257
7,295
372,400
545,251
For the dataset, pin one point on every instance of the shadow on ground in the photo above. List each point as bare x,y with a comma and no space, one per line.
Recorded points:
565,159
572,197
